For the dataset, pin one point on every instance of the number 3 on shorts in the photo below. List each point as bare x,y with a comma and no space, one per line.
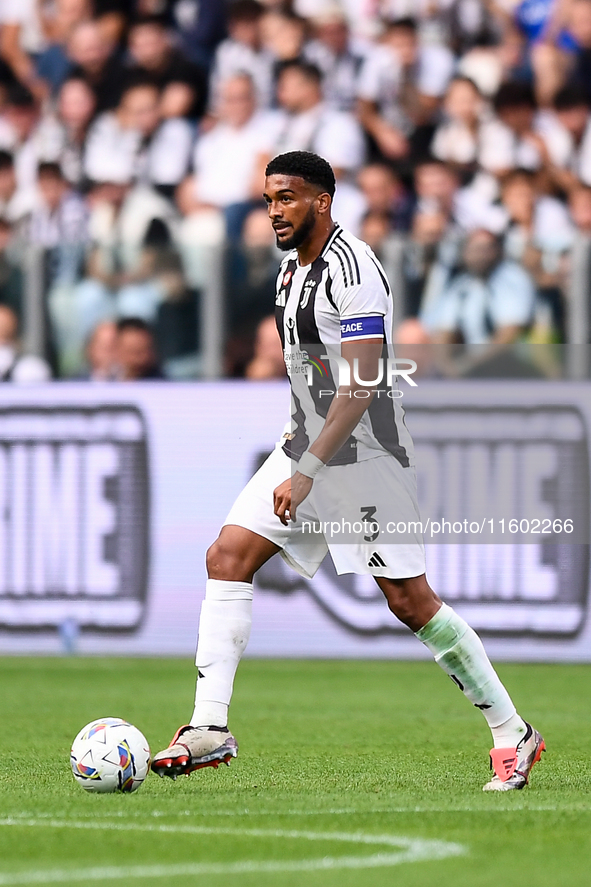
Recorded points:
367,513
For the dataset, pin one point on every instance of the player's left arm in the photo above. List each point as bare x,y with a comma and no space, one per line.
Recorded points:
342,418
349,405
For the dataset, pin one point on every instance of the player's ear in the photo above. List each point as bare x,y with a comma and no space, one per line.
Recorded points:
324,202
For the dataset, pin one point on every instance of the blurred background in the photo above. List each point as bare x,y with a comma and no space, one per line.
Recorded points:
134,134
135,247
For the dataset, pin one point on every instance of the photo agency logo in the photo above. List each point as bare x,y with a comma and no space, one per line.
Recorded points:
389,371
74,517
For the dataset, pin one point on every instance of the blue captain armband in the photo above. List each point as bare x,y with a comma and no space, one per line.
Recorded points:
368,327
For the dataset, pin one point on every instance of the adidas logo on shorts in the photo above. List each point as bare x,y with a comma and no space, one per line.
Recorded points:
376,561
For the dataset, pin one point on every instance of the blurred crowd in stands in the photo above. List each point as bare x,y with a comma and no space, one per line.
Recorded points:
134,135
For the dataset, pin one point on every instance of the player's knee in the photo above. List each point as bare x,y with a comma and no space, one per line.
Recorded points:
412,601
403,605
223,562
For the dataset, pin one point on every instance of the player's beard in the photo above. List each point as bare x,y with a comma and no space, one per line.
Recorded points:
300,234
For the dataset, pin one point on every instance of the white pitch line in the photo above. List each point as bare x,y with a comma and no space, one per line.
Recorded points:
347,837
331,811
409,850
114,873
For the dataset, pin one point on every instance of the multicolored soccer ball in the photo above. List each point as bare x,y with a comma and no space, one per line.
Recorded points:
110,755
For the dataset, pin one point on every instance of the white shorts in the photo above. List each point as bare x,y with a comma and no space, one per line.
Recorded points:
356,512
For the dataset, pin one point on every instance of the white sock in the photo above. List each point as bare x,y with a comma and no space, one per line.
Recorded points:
224,629
507,735
459,651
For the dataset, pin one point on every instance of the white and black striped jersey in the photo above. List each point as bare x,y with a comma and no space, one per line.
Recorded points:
342,296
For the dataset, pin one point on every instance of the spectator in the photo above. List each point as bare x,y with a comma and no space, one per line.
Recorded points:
566,134
135,351
59,224
337,56
430,255
53,64
509,140
18,136
457,138
242,52
399,88
134,143
538,236
62,136
101,352
385,195
304,123
235,142
436,187
375,230
283,35
539,230
267,362
93,57
130,232
153,56
491,300
14,365
129,228
21,39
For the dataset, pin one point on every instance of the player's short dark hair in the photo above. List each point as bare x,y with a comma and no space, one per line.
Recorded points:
137,324
514,95
571,96
307,69
245,11
305,165
6,160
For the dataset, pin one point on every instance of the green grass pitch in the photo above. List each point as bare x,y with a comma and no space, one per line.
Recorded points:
350,774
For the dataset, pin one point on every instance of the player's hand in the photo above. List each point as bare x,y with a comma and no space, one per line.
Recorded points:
289,495
282,501
301,485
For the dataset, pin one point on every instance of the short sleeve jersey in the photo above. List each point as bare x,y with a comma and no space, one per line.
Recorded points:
343,296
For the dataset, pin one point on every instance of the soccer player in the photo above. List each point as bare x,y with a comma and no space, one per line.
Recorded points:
346,446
